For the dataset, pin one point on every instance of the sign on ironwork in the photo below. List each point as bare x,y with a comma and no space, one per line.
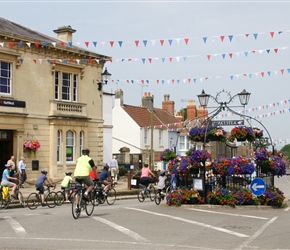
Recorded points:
228,123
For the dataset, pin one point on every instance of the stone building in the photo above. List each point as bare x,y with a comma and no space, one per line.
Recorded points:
50,91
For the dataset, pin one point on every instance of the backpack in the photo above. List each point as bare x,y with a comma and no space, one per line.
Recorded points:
5,193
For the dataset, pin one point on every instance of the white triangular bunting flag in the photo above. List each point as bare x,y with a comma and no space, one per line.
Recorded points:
28,44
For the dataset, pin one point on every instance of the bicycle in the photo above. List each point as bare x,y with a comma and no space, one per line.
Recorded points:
99,198
34,199
84,204
4,203
60,196
144,192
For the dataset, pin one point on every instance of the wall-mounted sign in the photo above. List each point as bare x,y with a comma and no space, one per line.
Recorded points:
12,103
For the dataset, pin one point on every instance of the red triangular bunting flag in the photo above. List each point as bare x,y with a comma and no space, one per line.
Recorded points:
161,42
170,59
34,60
137,43
222,38
36,44
11,44
186,40
150,60
112,43
208,57
231,55
61,43
87,44
272,34
262,73
282,71
276,50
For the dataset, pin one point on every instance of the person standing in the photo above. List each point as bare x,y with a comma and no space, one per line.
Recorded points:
12,163
114,169
22,171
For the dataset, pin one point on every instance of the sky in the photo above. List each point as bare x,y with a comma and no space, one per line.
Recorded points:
231,46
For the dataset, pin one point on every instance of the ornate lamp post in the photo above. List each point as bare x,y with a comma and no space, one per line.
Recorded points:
203,98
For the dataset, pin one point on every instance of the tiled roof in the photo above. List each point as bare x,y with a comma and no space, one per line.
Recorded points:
142,116
9,28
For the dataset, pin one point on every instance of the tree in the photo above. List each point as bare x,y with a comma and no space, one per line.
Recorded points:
286,150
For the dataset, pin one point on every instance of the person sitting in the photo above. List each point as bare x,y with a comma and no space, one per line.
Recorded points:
7,179
161,182
105,179
145,179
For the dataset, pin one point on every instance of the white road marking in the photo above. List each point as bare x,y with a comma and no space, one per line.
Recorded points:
19,230
248,241
192,222
237,215
287,209
152,245
123,230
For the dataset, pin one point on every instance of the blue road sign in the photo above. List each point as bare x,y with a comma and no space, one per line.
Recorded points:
258,186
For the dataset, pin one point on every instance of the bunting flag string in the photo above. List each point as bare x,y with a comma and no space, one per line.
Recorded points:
162,42
181,58
228,55
188,80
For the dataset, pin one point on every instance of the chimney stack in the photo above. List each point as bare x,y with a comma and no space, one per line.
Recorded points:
191,109
64,33
147,101
168,105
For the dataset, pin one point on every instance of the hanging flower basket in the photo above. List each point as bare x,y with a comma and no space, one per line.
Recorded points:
216,133
241,133
167,155
195,134
31,145
258,133
198,157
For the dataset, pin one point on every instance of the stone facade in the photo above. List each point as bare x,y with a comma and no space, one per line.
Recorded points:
62,124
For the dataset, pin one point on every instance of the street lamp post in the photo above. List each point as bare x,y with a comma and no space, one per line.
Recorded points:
105,78
203,98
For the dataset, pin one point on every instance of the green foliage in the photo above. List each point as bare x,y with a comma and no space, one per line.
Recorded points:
286,150
122,171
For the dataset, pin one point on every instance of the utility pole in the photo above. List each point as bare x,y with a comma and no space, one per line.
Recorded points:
151,157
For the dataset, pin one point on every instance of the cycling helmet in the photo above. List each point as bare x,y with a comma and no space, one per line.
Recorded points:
85,151
162,173
68,173
44,171
8,165
106,167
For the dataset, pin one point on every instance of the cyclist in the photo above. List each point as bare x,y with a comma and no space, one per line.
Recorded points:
82,171
161,182
145,179
6,179
42,179
105,178
65,184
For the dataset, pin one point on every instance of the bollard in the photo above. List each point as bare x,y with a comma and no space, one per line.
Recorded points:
129,179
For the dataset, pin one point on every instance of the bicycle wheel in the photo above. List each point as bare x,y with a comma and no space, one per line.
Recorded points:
141,195
111,196
50,199
76,210
33,201
21,198
94,198
152,193
157,198
89,205
59,198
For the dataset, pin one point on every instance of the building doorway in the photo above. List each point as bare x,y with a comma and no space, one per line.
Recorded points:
6,148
